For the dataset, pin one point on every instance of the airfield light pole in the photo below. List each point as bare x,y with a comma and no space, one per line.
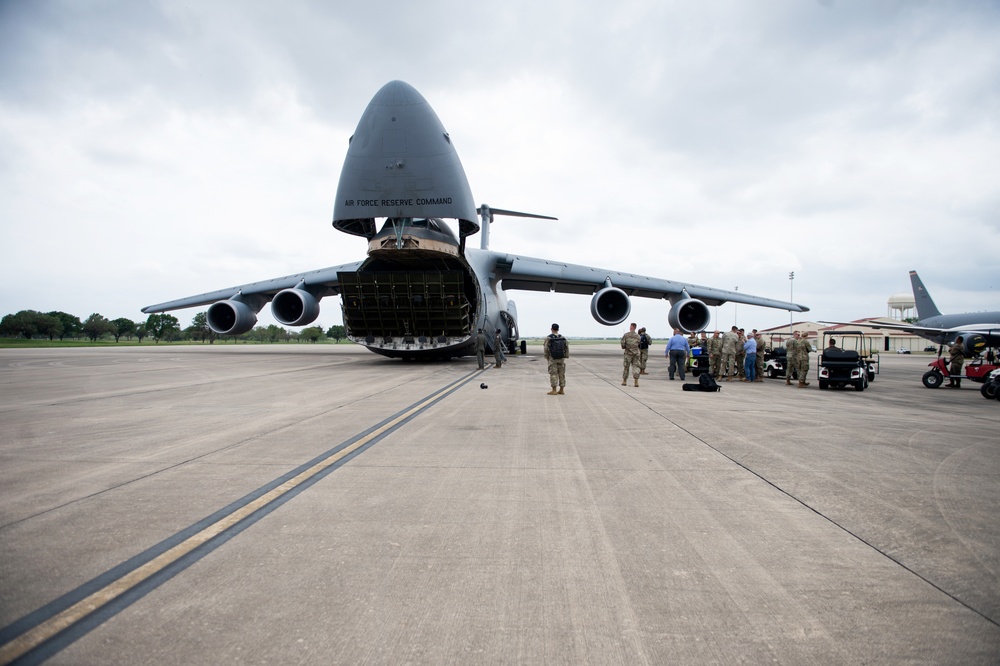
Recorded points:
791,298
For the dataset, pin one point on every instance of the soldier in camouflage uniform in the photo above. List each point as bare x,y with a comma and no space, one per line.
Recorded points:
727,367
760,355
791,349
557,366
644,342
802,366
630,343
741,354
714,354
956,355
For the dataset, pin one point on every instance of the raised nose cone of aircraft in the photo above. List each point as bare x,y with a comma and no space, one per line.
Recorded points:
401,164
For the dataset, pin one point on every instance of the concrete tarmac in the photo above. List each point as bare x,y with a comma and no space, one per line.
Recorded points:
322,505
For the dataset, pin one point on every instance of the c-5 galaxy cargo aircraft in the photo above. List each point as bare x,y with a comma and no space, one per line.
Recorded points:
421,293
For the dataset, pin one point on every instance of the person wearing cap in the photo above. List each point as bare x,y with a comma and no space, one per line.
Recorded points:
802,357
481,348
644,342
556,350
630,345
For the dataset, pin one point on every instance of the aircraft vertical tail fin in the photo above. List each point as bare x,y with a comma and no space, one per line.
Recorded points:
486,215
925,305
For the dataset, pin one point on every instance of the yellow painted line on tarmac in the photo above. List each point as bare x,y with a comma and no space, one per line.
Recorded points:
34,637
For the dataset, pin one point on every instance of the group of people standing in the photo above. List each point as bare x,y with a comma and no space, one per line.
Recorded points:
498,354
734,355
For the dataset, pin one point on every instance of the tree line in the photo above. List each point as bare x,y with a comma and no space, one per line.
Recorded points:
31,324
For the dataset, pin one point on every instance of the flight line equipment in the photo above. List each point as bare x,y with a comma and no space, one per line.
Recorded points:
991,387
855,363
977,370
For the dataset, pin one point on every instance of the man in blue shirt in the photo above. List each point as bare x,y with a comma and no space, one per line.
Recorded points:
678,351
750,363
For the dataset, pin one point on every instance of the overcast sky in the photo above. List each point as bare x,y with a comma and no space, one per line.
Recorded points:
155,150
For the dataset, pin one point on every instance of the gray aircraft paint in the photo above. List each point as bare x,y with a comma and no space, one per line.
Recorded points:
402,168
942,328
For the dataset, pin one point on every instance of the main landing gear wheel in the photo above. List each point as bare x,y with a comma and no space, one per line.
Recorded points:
933,379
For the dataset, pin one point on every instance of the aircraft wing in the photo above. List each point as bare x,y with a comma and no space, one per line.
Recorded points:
989,332
322,282
528,273
915,329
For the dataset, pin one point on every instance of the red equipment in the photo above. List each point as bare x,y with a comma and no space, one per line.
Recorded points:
977,370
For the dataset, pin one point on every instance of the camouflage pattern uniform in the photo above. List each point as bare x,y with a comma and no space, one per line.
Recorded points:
956,354
728,360
557,366
644,342
630,343
791,345
714,353
802,357
760,357
741,355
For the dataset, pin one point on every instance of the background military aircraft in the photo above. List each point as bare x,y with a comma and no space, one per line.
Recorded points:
421,292
979,330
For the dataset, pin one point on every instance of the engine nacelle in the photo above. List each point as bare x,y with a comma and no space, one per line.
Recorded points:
295,307
974,343
610,306
690,315
231,317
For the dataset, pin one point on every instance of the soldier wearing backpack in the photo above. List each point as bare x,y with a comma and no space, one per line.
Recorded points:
556,353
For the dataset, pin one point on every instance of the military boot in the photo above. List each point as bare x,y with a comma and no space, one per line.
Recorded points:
553,391
561,392
803,385
636,381
958,383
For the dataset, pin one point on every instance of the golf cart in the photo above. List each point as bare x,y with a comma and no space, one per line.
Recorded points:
776,359
853,363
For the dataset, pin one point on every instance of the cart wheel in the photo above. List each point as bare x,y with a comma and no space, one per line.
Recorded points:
989,390
933,379
823,384
861,385
772,373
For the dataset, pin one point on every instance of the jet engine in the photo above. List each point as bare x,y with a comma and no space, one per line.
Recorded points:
231,317
689,314
974,343
610,306
295,307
